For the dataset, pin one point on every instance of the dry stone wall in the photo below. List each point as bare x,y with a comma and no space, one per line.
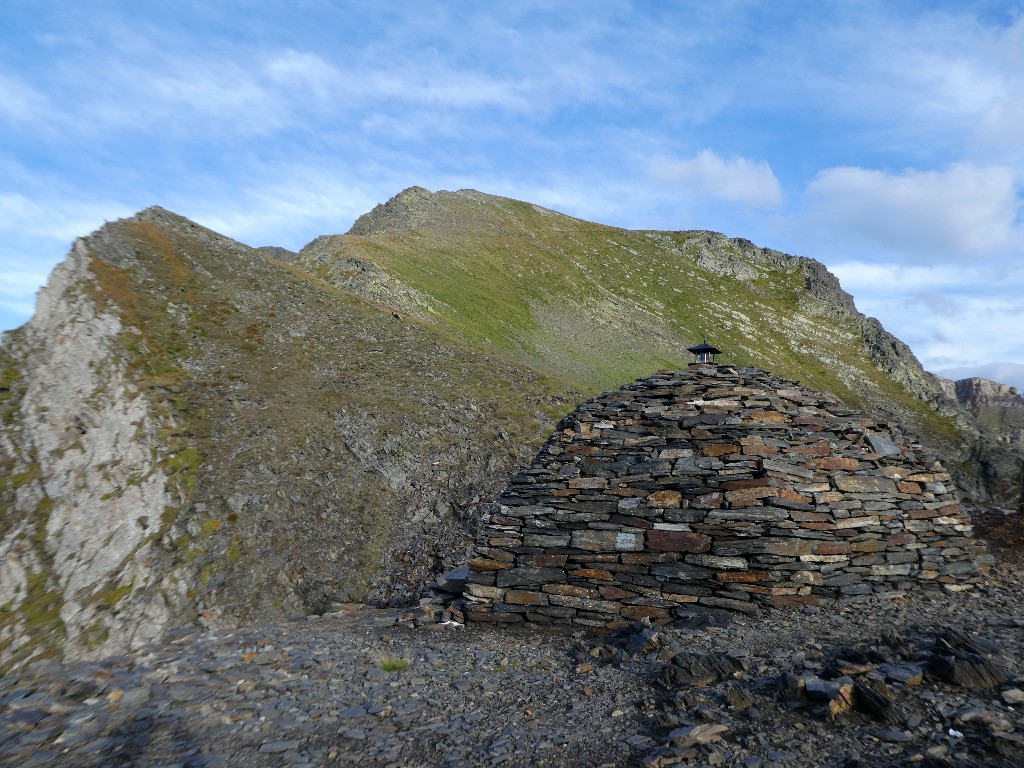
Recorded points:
722,487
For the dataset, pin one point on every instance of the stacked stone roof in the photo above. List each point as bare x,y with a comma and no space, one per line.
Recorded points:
722,487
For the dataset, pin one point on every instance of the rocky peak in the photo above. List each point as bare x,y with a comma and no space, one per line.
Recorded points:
412,208
983,393
998,407
462,211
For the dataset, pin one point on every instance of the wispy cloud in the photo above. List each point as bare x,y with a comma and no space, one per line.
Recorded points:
19,101
58,218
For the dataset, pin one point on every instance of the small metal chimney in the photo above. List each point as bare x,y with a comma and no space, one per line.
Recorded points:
704,352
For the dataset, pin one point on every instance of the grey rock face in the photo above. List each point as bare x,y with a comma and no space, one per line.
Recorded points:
80,526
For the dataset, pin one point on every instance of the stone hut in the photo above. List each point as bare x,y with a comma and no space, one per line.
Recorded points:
723,487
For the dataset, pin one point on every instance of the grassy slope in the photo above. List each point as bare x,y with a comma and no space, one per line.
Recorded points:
601,306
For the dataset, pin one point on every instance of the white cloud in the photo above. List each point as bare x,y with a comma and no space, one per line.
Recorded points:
735,180
967,210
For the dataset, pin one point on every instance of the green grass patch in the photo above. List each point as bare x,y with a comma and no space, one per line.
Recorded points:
395,665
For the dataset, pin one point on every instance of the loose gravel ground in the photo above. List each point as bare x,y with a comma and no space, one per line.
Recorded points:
355,689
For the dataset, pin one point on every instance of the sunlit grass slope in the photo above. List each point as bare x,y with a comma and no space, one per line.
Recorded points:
600,305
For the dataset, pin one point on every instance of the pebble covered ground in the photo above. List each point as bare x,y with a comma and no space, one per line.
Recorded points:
785,688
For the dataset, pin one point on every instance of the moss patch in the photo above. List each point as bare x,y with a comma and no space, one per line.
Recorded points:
38,616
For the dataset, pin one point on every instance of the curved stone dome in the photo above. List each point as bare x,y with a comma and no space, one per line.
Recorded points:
717,486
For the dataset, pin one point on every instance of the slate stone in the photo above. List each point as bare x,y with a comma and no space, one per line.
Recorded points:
454,581
967,670
690,669
883,445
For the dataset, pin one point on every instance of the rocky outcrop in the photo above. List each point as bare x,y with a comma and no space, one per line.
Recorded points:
994,438
86,490
721,487
277,252
999,407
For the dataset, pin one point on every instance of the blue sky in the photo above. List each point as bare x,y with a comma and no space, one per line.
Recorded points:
884,139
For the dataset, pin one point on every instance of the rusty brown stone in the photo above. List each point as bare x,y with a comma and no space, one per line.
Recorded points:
826,497
582,450
491,617
665,499
791,547
637,612
543,560
570,589
833,548
750,494
524,597
872,545
815,449
678,541
635,558
592,573
770,417
836,462
793,601
756,446
743,576
786,493
720,449
484,564
491,553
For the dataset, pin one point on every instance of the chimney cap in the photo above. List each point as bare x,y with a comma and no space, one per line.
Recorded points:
704,352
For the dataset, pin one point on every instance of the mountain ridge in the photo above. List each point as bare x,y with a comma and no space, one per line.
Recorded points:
262,436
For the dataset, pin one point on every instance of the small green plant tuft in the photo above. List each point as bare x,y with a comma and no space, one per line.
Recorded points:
395,665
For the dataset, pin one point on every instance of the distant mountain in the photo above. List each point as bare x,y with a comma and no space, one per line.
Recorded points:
999,408
192,430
